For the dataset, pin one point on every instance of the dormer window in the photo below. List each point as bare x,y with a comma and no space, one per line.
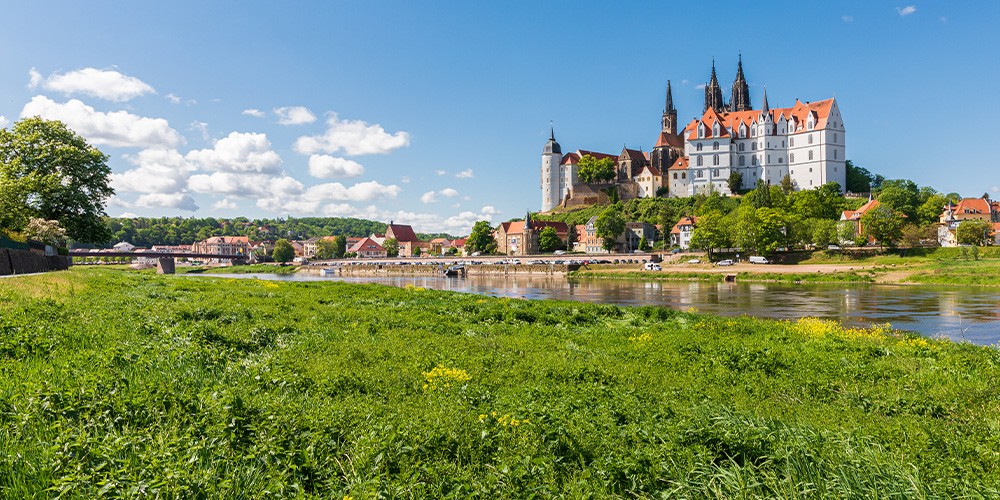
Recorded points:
715,129
743,131
715,146
698,146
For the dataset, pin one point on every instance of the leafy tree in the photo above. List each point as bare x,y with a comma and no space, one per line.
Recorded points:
860,180
326,249
548,240
711,232
571,236
913,235
735,181
760,196
481,238
340,246
824,232
758,229
901,195
45,231
283,251
590,169
787,186
931,209
846,231
973,232
643,244
417,251
50,172
610,225
883,224
391,247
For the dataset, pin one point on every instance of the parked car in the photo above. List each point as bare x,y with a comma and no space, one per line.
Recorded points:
757,259
652,266
694,261
725,262
559,252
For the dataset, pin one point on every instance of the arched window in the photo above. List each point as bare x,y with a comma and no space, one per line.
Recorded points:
781,160
810,138
753,131
700,161
791,158
698,146
810,155
753,160
715,130
835,137
834,154
715,146
715,159
791,141
742,146
743,160
753,146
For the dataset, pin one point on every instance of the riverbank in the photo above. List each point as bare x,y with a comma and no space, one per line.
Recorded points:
172,385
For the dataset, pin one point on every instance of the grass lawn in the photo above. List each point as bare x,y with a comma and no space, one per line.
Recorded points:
116,383
241,269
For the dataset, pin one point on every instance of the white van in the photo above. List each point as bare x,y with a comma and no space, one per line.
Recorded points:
757,259
652,266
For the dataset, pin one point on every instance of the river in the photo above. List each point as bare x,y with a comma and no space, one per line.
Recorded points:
969,314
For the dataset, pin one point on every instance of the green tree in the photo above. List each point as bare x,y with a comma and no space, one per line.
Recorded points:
571,236
481,239
758,230
326,249
860,180
283,251
417,251
787,186
760,196
548,240
735,181
711,232
340,246
45,231
883,224
824,232
900,195
590,169
49,172
391,247
973,232
931,209
643,244
610,225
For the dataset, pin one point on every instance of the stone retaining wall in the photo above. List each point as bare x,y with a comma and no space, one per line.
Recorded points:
26,262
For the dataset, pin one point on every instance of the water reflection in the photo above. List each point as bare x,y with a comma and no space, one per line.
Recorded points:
970,314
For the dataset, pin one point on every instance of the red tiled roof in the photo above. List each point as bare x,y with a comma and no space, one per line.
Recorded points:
669,140
972,206
400,232
364,244
857,214
685,221
574,157
652,170
799,112
680,164
632,154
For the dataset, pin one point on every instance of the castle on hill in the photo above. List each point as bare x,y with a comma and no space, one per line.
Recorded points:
805,142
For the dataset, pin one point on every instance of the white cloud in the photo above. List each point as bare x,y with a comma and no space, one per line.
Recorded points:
465,174
202,128
116,129
457,224
158,171
166,200
432,196
405,179
700,86
905,11
128,215
245,185
353,137
4,121
239,152
685,81
489,211
225,204
256,113
104,84
173,98
440,172
995,189
294,115
314,197
847,19
327,167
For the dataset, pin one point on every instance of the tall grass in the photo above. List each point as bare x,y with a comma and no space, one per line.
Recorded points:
143,385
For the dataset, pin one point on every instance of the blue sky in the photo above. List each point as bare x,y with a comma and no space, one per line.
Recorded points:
435,113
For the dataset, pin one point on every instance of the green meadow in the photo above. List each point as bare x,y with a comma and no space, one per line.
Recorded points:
125,384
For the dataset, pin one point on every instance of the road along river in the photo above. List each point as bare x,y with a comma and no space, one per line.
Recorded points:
960,313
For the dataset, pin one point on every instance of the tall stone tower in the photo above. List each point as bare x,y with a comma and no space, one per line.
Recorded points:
740,100
713,94
553,188
669,113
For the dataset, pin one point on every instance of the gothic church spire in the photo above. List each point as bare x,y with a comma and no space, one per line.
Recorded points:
741,91
713,93
669,113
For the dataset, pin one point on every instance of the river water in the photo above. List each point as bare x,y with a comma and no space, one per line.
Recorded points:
960,313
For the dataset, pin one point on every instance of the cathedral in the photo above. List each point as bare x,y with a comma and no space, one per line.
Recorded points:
804,142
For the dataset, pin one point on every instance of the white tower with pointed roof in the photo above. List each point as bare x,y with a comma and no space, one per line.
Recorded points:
553,184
